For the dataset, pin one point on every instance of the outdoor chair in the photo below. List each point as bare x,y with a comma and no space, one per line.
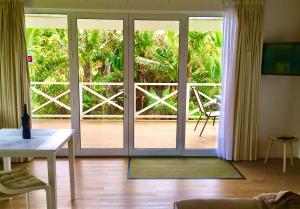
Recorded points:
20,181
209,110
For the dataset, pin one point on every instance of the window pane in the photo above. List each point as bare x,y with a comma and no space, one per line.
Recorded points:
47,49
203,78
100,55
156,70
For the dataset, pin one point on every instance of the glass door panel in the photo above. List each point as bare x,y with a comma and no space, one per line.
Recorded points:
203,78
156,49
48,61
101,76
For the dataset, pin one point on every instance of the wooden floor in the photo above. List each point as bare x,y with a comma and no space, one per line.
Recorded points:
148,134
102,184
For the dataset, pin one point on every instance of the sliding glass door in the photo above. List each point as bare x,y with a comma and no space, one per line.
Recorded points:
155,83
130,88
48,61
204,72
154,51
100,68
101,77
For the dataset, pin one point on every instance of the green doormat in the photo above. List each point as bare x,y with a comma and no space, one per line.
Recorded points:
181,168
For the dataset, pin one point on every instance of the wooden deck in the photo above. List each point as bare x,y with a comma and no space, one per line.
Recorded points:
148,134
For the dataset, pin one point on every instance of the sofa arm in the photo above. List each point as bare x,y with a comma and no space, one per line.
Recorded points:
230,203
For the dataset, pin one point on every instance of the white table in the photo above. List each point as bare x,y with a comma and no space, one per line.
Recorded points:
43,143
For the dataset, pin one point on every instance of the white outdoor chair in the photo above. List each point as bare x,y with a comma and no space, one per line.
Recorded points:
20,181
209,110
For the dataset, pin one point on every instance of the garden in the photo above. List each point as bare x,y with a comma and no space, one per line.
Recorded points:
101,60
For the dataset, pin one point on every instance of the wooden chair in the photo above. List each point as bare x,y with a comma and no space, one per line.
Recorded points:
20,181
209,110
286,140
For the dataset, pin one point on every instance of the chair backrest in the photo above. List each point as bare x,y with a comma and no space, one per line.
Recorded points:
199,101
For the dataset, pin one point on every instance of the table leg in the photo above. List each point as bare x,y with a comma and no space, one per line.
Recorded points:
269,149
28,200
7,163
284,156
72,166
292,155
52,180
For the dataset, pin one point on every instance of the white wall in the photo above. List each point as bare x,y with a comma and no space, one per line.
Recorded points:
280,95
127,5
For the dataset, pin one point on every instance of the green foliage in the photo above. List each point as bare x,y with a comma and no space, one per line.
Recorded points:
156,56
101,58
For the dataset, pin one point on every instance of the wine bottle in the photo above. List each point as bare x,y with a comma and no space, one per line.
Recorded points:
25,123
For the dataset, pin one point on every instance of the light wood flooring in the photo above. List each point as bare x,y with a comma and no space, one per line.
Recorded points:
102,184
148,134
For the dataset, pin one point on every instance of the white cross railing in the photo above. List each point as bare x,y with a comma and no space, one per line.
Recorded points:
85,86
142,113
50,100
138,86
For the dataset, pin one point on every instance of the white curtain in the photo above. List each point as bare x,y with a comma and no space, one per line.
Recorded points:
242,53
247,79
225,140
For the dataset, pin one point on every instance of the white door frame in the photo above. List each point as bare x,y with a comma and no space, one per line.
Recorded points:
182,19
128,132
182,91
74,67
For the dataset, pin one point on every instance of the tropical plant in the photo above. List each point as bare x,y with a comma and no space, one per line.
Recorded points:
101,58
49,47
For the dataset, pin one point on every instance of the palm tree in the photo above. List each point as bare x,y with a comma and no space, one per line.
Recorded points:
204,60
88,41
156,61
101,57
49,48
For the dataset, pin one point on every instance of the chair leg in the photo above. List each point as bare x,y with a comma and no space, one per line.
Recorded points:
48,198
291,150
28,205
214,121
284,156
197,123
269,149
204,126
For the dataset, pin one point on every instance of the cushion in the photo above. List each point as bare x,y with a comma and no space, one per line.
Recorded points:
18,181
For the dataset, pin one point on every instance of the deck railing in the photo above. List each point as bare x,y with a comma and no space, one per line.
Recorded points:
142,113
